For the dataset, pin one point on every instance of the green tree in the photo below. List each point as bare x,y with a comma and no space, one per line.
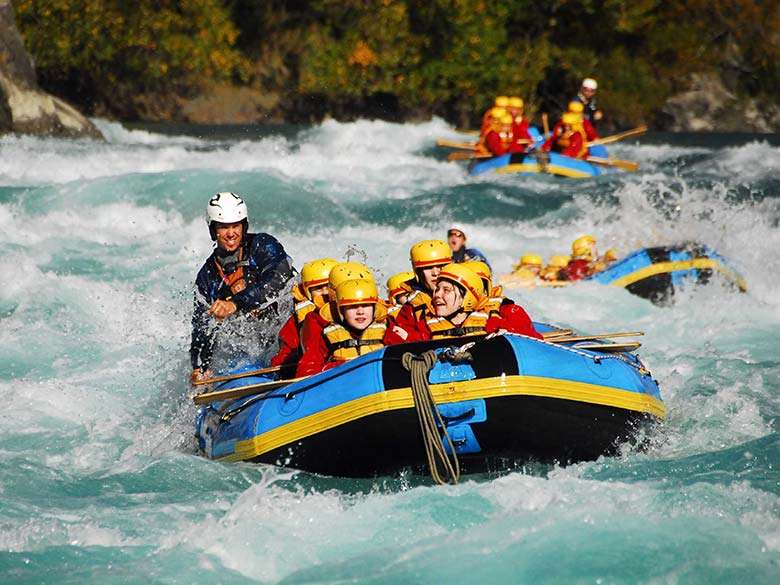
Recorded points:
117,52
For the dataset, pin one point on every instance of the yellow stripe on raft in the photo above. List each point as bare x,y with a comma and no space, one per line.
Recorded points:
664,267
551,169
444,393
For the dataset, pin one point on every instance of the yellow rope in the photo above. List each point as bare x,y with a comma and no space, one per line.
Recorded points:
443,468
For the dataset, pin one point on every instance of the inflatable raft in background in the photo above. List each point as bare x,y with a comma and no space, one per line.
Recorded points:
558,164
656,274
516,399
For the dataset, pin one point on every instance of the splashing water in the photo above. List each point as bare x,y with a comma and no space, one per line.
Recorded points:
98,473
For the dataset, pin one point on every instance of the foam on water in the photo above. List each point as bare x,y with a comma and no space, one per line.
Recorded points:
99,243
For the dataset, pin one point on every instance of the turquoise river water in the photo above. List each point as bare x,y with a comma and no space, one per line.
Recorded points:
99,478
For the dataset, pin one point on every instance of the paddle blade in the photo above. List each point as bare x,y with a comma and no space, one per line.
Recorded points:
444,143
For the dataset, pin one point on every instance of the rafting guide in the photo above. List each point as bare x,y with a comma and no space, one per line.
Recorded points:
245,275
456,238
587,96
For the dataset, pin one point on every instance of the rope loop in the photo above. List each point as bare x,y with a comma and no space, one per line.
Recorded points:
444,468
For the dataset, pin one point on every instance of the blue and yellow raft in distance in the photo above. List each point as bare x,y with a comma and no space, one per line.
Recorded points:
518,399
657,273
558,164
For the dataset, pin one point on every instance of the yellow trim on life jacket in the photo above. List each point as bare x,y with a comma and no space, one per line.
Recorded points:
301,309
474,324
298,294
493,304
421,303
343,345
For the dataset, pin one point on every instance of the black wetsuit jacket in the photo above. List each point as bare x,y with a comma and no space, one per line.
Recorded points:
590,107
267,270
465,254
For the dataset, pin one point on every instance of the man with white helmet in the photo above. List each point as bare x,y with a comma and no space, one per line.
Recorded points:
245,274
456,238
587,96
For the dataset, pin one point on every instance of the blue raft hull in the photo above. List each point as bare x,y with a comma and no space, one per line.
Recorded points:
559,165
519,399
657,273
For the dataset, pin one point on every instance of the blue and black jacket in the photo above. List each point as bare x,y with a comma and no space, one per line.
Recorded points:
267,270
590,107
466,254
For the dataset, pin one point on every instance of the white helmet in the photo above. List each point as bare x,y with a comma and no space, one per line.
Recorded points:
226,207
590,83
456,227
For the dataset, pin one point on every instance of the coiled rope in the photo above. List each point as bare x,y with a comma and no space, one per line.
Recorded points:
444,468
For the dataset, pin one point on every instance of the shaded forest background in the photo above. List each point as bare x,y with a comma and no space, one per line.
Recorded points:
214,61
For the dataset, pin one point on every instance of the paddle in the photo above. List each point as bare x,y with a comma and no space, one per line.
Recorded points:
214,380
240,392
566,339
620,136
626,165
546,125
611,347
468,155
467,132
557,333
443,142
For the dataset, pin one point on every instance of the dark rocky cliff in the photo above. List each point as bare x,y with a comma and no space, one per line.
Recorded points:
24,108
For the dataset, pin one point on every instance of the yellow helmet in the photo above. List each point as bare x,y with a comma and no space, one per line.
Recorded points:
502,101
571,119
399,284
497,113
576,107
559,260
430,253
360,291
315,273
468,280
611,255
531,260
516,102
507,119
344,271
482,270
583,246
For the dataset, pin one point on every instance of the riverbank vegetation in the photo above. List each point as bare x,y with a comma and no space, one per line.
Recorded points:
150,60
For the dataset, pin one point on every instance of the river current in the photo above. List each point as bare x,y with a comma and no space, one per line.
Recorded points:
99,478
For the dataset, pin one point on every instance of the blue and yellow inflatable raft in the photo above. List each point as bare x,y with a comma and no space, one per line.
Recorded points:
657,273
557,164
517,399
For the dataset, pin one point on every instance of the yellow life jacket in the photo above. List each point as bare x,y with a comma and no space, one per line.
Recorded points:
301,309
492,304
342,346
584,150
393,310
474,324
297,294
326,312
421,302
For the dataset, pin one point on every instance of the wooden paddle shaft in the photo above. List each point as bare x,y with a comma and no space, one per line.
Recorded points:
589,337
233,393
216,379
620,136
